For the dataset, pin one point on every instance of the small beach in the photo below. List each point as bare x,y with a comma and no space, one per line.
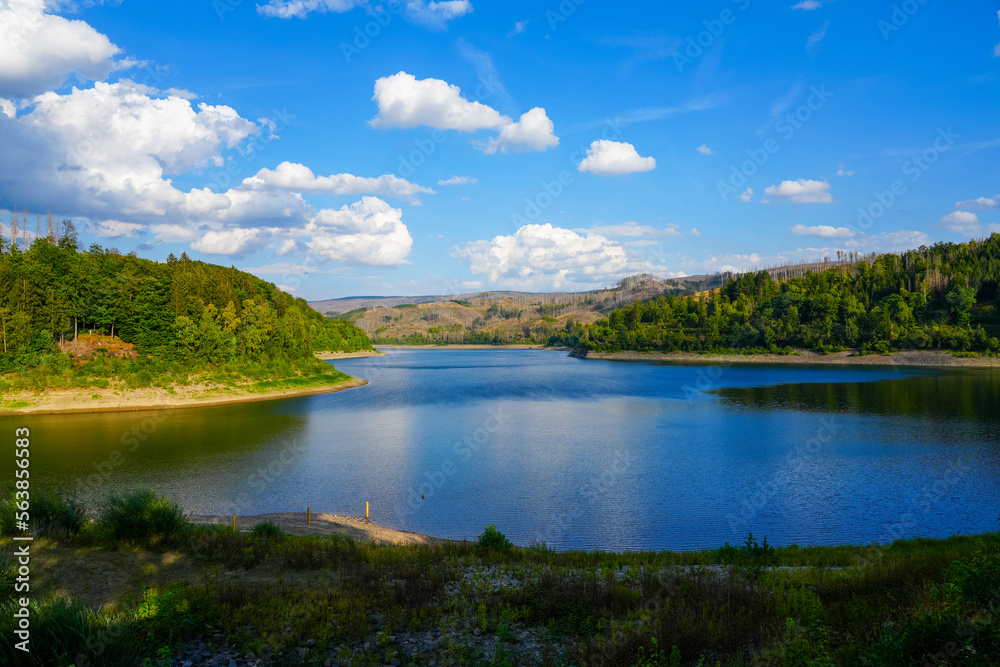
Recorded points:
111,399
298,523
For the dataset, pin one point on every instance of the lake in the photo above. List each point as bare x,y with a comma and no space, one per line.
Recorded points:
578,454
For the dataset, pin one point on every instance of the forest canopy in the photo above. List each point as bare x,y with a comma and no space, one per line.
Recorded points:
181,311
942,297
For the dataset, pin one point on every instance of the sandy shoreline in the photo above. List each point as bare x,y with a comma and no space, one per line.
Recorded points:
295,523
68,401
910,358
329,356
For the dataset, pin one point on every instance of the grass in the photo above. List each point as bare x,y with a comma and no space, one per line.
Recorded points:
490,603
52,513
144,372
141,517
301,382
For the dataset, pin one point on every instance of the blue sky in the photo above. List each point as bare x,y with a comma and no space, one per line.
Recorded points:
339,147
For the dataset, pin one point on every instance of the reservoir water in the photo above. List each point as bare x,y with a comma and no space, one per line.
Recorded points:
578,454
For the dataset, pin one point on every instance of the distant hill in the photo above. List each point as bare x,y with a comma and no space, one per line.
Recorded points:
507,317
349,303
495,317
944,297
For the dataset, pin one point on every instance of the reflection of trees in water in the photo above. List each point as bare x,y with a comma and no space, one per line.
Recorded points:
968,395
94,454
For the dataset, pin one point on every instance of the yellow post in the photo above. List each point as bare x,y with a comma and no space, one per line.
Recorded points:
309,516
234,523
366,512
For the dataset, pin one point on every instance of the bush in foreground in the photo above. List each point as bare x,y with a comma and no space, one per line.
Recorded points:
52,513
142,516
268,530
493,540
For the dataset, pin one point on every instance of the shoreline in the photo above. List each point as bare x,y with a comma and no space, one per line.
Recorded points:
330,356
457,346
295,523
105,400
917,358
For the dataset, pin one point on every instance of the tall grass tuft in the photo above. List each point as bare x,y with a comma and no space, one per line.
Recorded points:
52,513
65,633
143,517
268,530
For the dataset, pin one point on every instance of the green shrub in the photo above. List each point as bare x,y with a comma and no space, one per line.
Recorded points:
57,513
937,640
172,613
540,547
268,530
975,584
51,513
657,657
144,517
64,633
493,540
751,559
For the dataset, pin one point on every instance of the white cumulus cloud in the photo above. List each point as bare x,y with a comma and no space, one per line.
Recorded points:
962,222
802,191
614,158
108,153
300,178
534,132
234,242
545,256
705,150
38,51
746,195
405,102
825,231
808,5
980,204
368,232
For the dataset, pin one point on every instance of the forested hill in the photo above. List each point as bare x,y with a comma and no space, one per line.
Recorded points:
180,311
942,297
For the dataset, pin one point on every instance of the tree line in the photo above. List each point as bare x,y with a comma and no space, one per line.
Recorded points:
939,297
179,310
